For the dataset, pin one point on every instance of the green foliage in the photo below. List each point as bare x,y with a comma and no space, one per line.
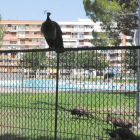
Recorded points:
30,60
2,32
115,18
101,37
67,60
92,60
79,59
130,59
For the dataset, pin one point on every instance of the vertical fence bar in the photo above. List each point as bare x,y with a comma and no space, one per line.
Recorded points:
56,95
138,74
22,75
138,89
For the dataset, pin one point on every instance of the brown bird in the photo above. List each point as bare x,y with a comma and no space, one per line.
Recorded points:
117,121
123,133
81,110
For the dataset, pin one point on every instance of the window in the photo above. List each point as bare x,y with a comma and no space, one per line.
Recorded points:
22,39
6,47
34,26
34,40
81,26
74,26
81,35
31,26
21,34
31,47
91,26
22,48
22,27
64,33
73,35
6,26
14,27
13,34
5,60
43,41
31,33
13,42
63,26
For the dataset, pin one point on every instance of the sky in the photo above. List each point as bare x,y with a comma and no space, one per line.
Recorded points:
61,10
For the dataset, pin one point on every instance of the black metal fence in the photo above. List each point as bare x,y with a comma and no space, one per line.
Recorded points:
40,89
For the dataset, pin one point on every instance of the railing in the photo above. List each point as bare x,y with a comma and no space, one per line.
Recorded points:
33,28
78,29
22,42
81,36
38,95
81,43
73,36
21,35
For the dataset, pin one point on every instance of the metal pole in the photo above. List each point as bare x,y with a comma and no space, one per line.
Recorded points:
57,77
138,75
22,75
39,59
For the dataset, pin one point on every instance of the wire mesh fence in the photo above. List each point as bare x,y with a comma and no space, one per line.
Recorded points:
70,95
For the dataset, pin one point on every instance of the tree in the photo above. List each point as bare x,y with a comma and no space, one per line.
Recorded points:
31,60
92,60
2,32
67,60
116,17
79,59
130,59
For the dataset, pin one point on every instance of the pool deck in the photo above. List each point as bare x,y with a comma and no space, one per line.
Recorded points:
31,90
82,87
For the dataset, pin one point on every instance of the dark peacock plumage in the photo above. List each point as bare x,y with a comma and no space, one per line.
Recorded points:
52,33
81,110
123,133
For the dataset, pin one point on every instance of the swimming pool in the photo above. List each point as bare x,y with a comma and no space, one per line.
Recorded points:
63,85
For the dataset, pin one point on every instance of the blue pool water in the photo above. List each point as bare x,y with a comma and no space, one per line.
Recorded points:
63,85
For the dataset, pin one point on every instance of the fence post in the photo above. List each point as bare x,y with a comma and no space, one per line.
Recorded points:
56,103
138,75
138,91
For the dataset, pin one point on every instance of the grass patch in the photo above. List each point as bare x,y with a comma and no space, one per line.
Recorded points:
32,115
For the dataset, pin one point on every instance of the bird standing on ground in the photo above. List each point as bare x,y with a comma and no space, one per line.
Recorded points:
123,133
81,110
52,33
117,121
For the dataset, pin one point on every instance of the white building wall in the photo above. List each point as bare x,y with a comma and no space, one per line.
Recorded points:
77,31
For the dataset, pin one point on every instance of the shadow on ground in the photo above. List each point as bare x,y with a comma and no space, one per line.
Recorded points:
17,137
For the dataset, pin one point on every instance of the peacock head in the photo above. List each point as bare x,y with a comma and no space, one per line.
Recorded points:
48,14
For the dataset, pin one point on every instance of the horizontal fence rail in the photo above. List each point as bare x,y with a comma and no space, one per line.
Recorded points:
70,95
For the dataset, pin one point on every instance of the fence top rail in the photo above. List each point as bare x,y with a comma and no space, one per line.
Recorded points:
72,49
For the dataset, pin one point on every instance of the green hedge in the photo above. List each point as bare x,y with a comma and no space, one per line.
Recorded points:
126,75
